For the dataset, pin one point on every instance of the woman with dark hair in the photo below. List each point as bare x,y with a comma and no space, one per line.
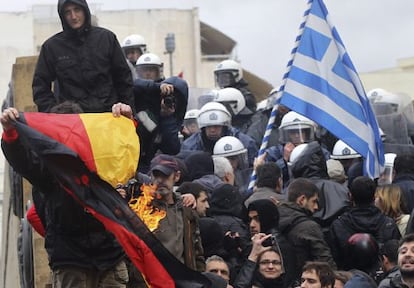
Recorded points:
263,268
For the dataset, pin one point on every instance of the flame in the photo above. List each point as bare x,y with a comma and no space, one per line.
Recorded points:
144,208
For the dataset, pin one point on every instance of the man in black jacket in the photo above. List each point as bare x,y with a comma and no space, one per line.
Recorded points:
404,177
297,224
85,64
364,217
81,252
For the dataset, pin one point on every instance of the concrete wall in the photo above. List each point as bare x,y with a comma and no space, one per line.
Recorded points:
399,79
16,32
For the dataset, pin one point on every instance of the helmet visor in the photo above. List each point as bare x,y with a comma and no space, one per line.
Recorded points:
191,125
297,134
240,161
225,79
149,72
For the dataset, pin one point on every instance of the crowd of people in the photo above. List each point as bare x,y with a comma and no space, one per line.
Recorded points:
312,219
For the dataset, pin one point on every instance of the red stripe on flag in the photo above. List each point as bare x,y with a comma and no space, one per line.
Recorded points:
67,129
139,253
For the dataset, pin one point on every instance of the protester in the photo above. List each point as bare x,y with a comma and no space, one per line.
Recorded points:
79,247
85,64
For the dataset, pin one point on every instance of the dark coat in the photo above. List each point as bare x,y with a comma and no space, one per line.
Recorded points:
87,65
248,95
73,236
164,137
258,127
249,276
333,197
406,183
396,282
304,234
365,219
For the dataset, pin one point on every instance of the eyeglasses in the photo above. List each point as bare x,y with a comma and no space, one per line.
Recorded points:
267,262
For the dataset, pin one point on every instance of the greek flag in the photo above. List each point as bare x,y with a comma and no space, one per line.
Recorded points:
323,85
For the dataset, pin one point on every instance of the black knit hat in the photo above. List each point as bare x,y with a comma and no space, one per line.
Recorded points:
199,164
226,200
268,214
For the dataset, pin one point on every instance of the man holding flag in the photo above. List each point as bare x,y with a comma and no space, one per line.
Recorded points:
88,221
81,252
322,84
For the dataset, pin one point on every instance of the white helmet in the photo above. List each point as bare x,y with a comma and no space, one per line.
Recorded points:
342,150
296,128
233,149
374,93
212,114
190,121
297,152
232,99
134,41
149,62
228,146
191,114
228,73
389,98
272,97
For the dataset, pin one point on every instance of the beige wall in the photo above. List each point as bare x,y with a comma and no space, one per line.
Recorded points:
154,25
16,32
399,79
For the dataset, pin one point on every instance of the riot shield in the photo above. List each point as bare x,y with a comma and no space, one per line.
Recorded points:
399,149
395,127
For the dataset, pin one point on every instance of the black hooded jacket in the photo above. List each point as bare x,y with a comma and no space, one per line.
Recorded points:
87,66
361,219
304,234
333,197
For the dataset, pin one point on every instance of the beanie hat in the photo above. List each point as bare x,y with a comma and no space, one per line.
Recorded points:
199,164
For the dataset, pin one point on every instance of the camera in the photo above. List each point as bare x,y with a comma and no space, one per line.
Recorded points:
169,101
269,241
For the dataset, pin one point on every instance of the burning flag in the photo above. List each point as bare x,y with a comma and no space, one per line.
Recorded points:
89,162
144,207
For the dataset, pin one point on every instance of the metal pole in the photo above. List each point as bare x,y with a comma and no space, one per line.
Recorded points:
171,64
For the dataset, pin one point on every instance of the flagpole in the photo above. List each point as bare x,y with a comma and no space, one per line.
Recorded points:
273,114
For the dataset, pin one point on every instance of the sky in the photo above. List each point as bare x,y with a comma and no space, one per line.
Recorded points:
376,33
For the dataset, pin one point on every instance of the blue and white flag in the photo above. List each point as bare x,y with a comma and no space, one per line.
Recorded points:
323,85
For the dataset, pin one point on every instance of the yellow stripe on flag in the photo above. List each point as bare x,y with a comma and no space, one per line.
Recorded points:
115,146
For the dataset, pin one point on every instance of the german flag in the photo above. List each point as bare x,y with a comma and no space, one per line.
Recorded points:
89,154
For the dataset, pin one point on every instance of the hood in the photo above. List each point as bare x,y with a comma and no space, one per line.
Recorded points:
268,214
226,200
200,163
85,7
365,218
311,163
212,237
209,182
